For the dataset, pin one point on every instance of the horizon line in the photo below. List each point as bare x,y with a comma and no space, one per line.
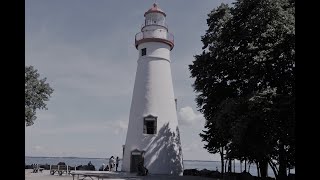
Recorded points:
101,158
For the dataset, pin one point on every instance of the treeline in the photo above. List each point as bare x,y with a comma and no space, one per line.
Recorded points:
245,84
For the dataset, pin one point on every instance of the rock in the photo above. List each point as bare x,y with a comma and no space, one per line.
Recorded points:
86,168
205,172
292,176
263,178
101,168
191,172
230,176
28,167
106,168
91,167
45,167
246,176
216,174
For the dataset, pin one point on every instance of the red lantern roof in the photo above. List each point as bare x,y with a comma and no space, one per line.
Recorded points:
154,8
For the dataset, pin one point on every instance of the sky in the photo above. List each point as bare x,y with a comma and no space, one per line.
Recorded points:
86,51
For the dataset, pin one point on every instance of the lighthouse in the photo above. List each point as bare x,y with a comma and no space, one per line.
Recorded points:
153,136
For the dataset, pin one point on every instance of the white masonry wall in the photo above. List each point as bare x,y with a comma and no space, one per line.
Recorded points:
153,95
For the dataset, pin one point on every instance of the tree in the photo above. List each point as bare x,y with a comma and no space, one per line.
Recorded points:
37,91
251,132
217,141
247,50
216,137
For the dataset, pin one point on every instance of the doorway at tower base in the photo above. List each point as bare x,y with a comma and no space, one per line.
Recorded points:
162,153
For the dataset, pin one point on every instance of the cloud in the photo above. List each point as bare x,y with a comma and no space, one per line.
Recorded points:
190,147
94,126
75,68
89,59
187,116
38,149
45,115
119,126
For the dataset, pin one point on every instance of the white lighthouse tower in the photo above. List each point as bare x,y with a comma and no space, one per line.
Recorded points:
153,134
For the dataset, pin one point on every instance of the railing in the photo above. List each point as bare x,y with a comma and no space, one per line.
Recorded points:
158,35
148,23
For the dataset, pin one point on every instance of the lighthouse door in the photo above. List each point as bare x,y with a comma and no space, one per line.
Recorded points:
136,157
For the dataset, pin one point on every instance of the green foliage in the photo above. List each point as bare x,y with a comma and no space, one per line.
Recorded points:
37,91
245,81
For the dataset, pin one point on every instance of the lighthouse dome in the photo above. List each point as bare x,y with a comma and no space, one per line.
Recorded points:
155,9
154,28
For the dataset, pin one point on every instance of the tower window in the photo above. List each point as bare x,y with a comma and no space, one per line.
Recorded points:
150,125
143,51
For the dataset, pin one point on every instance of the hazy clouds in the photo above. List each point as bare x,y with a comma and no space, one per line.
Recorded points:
86,51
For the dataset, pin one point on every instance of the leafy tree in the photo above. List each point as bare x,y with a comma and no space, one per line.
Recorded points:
217,142
249,49
282,124
217,138
37,91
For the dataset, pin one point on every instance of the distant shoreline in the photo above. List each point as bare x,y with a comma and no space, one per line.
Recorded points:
71,157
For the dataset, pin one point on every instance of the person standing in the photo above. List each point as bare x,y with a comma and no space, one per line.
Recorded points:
117,163
111,163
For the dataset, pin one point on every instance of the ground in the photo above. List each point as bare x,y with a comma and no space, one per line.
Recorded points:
45,175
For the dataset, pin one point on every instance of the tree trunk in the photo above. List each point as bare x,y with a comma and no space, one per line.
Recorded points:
222,161
225,165
245,165
249,168
258,172
282,174
229,165
263,167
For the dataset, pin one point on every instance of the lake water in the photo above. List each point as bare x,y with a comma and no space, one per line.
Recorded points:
97,162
